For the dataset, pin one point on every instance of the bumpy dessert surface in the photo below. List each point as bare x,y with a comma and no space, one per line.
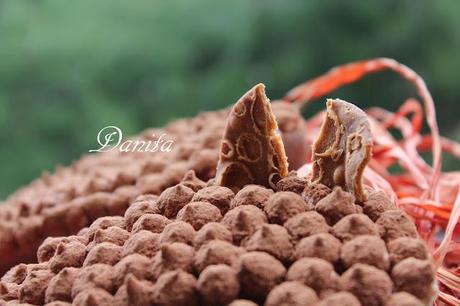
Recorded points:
198,243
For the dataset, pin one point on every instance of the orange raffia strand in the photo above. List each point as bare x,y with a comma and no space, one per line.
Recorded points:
427,194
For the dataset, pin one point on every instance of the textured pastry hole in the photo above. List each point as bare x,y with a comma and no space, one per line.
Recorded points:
239,110
249,148
236,174
273,179
226,149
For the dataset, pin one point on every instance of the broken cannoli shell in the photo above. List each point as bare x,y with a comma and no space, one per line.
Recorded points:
251,150
343,148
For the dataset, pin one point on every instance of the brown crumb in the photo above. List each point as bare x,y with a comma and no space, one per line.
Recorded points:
252,195
33,288
292,183
291,294
337,205
144,242
273,239
315,273
219,196
403,299
306,224
416,277
178,231
175,288
212,231
354,225
218,285
322,245
406,247
70,254
173,199
154,223
283,205
340,298
60,286
199,213
365,249
370,285
393,224
243,221
173,256
216,252
258,273
314,192
377,203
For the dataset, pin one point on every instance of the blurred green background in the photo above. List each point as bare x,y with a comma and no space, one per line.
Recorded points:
69,68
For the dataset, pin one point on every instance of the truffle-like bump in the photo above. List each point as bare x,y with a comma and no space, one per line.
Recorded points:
243,221
134,264
315,273
8,291
144,242
95,276
60,286
377,203
259,272
273,239
16,274
173,199
354,225
199,213
144,204
191,181
283,205
135,292
291,294
48,248
104,253
70,254
416,277
292,183
337,205
219,196
370,285
175,288
322,245
306,224
33,288
314,192
94,297
112,234
403,299
178,231
241,302
103,223
150,222
365,249
406,247
173,256
216,252
212,231
218,285
340,298
393,224
252,195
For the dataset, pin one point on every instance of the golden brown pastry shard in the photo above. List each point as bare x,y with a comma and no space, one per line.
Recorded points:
343,148
251,151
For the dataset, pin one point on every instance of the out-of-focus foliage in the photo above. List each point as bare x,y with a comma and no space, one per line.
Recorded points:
67,69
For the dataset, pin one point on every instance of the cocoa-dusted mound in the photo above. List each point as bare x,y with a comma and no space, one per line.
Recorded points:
246,256
403,299
104,184
256,252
